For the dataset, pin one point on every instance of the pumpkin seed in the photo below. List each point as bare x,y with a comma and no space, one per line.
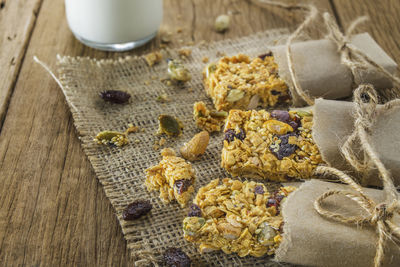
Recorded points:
234,95
169,125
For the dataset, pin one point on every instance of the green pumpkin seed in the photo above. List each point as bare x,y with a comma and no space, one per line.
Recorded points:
234,95
303,113
169,125
177,71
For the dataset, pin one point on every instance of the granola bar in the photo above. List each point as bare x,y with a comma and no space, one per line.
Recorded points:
173,177
274,146
236,217
241,83
208,120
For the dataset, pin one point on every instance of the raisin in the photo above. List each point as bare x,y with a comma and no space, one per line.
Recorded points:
230,135
273,92
283,98
280,115
136,210
115,96
259,189
285,149
241,135
263,56
194,211
294,125
182,185
175,257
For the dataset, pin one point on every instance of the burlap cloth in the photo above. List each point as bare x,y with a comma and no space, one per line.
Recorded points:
121,170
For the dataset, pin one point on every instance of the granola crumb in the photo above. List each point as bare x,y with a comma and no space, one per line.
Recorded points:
185,52
205,59
147,82
173,177
162,141
153,58
179,30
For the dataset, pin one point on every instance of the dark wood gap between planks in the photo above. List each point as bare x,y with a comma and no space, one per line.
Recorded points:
19,64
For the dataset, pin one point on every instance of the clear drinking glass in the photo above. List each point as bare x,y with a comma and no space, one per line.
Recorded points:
114,25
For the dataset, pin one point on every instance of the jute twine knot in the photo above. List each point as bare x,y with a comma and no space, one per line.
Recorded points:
379,215
350,55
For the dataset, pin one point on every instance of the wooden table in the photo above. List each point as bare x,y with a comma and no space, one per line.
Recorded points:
53,211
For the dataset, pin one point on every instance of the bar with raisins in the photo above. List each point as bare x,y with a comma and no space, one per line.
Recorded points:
236,217
275,145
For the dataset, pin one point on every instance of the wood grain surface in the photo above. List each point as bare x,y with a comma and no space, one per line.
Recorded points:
53,211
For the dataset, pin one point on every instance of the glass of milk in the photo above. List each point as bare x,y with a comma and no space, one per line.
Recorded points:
114,25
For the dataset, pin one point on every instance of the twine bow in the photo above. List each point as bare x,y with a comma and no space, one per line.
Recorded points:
350,55
379,215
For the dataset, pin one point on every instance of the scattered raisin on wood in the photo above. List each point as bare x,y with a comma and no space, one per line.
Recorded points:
136,210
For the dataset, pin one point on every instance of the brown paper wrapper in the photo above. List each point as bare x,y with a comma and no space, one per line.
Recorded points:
320,72
334,122
310,239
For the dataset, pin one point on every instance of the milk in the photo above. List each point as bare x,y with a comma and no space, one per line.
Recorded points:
107,22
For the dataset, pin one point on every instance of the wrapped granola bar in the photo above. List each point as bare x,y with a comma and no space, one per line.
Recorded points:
312,240
334,122
280,145
241,82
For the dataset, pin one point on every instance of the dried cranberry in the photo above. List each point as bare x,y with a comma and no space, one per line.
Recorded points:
136,209
263,56
175,257
115,96
182,185
259,189
230,135
194,211
285,149
280,115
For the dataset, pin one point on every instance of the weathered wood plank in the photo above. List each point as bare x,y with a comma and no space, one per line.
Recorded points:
17,20
52,209
384,23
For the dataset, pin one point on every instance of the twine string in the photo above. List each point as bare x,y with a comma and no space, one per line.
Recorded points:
379,215
350,55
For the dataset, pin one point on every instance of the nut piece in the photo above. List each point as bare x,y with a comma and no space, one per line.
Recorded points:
167,152
177,71
153,58
222,23
196,147
169,125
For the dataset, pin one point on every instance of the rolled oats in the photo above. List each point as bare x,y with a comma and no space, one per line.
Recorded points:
274,146
233,82
208,120
236,217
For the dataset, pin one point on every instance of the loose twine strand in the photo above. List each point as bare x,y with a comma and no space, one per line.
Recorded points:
379,215
350,55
